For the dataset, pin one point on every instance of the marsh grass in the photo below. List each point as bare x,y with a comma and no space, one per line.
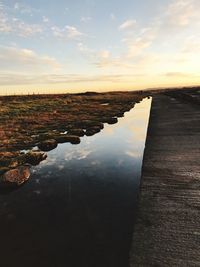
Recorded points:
44,121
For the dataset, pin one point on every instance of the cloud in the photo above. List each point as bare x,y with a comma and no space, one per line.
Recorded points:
134,153
139,65
77,153
104,54
180,12
11,24
88,53
24,8
86,19
57,32
103,58
5,26
12,58
45,19
179,75
106,60
192,45
4,21
114,63
128,25
83,48
13,78
73,33
160,44
140,55
68,32
137,45
112,16
25,30
177,15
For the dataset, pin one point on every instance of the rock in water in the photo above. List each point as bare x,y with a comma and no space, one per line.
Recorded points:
48,145
64,138
110,120
77,132
16,177
35,157
92,130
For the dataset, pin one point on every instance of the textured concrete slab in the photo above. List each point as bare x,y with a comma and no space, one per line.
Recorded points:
167,231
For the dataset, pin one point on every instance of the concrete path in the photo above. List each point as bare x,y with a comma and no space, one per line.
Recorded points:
167,231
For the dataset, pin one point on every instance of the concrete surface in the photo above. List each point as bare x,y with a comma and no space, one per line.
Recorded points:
167,230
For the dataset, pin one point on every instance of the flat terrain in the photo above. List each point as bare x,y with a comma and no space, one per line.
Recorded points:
167,231
26,120
78,207
39,123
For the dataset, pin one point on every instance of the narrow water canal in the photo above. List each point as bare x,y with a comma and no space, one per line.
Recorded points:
78,208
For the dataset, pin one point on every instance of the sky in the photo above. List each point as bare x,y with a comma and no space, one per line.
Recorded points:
49,46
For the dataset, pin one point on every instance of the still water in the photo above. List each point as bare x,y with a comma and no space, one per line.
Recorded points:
78,208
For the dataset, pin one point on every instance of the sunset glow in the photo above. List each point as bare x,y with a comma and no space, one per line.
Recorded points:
88,45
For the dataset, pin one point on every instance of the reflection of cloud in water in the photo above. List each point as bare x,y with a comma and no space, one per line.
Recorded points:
50,161
95,163
133,154
120,162
115,142
77,153
108,130
61,167
138,125
138,132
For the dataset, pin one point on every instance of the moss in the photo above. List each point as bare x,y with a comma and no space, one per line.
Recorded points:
15,177
110,120
77,132
34,157
92,130
41,121
65,138
48,145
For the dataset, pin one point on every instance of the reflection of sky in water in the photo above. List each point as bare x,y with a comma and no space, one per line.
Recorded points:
79,205
114,145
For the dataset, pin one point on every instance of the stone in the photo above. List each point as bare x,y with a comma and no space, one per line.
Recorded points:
77,132
48,145
111,120
35,157
65,138
16,176
92,130
88,123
